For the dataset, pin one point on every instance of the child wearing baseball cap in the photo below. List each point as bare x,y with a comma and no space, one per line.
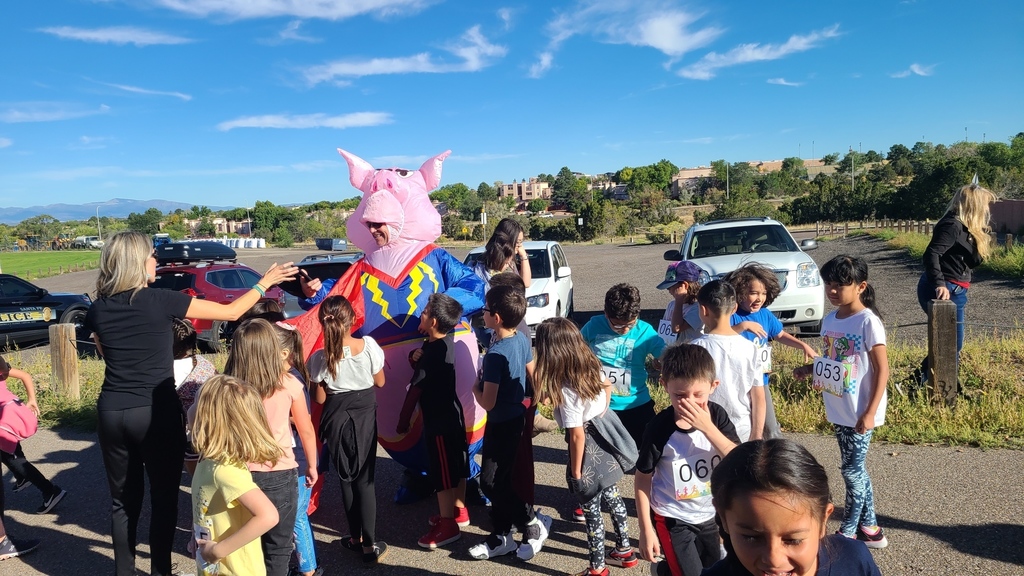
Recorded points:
681,322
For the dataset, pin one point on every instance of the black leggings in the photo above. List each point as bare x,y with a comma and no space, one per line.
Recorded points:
149,438
360,500
22,469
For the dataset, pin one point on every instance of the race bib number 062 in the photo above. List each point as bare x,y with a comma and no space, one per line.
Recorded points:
829,376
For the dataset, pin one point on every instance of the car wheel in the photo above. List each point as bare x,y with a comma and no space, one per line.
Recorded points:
216,343
76,316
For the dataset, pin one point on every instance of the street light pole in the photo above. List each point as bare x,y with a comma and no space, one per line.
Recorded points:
99,229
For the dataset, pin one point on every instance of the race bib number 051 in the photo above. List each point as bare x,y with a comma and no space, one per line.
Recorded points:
618,378
829,376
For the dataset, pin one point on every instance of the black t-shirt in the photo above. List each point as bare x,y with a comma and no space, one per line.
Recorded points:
505,365
837,556
435,377
136,337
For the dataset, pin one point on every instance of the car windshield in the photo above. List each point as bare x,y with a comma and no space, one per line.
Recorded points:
540,264
740,240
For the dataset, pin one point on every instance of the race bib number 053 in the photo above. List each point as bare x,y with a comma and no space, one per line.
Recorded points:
618,378
829,376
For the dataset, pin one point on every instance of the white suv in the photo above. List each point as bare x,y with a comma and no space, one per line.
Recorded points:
721,246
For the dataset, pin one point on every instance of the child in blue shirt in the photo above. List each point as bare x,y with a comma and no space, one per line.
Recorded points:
622,342
756,288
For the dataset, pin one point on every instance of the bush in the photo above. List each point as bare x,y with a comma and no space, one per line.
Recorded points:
563,230
283,238
662,233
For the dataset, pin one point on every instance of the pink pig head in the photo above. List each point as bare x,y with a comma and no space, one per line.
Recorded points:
396,197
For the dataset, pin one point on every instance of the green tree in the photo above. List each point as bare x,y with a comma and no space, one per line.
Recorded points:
829,159
266,216
206,229
197,212
148,222
537,205
794,167
486,192
592,214
457,197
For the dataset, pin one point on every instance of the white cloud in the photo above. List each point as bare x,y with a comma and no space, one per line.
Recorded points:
506,17
316,165
300,121
5,142
917,69
706,67
658,24
784,82
323,9
542,65
473,51
46,112
137,90
115,35
291,34
91,143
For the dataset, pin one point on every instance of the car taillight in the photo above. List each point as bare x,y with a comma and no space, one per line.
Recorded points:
192,292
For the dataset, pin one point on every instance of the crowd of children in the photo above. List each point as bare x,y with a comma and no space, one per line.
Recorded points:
716,488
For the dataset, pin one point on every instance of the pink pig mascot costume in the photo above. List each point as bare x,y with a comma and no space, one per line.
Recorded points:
388,289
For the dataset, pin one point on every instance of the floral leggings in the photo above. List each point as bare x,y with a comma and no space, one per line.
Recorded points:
595,524
860,496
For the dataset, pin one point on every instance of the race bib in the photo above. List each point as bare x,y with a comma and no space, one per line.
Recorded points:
692,478
829,376
666,333
200,532
764,356
618,378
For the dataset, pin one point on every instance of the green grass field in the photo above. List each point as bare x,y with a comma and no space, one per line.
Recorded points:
32,265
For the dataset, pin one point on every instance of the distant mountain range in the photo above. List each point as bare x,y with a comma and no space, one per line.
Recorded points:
115,208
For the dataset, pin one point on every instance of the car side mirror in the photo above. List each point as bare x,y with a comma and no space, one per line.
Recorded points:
562,272
809,244
673,255
42,293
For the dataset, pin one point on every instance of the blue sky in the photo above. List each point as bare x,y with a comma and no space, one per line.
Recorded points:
225,102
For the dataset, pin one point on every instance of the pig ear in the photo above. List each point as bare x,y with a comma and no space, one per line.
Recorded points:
431,170
359,170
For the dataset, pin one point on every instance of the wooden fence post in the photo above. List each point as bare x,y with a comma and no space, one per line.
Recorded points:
846,229
64,360
1009,241
942,362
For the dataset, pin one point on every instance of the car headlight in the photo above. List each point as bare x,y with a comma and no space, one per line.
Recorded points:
807,275
538,301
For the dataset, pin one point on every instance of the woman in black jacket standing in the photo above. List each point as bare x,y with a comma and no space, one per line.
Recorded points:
960,241
141,422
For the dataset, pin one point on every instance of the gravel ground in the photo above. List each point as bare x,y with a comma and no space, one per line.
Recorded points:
934,526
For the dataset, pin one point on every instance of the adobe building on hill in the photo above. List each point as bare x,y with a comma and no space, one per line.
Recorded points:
526,190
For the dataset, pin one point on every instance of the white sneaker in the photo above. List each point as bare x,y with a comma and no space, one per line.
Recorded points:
532,543
494,545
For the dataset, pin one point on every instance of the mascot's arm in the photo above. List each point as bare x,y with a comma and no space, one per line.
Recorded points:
463,285
325,288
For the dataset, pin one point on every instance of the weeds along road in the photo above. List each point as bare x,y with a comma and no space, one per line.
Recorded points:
993,301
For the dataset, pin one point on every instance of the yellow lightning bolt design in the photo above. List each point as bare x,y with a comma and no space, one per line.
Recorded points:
372,284
430,274
415,290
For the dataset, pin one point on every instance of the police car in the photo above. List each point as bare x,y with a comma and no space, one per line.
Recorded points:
27,312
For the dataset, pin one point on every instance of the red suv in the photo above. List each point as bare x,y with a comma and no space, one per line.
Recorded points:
217,281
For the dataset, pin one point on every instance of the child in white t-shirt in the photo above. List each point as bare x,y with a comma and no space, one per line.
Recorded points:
681,321
741,392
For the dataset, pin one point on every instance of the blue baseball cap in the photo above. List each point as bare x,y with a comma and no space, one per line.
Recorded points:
682,271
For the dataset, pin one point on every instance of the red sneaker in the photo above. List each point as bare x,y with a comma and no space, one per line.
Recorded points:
444,532
461,518
622,558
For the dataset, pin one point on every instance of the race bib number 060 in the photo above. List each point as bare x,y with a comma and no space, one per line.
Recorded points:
829,376
692,479
618,378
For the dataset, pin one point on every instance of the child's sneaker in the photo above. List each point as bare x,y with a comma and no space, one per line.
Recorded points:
578,516
20,485
622,558
380,550
444,532
592,572
12,549
494,545
876,540
461,518
533,539
54,499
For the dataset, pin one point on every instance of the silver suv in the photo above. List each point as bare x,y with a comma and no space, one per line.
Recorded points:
721,246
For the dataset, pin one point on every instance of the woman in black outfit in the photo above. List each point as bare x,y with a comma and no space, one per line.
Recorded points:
960,242
141,423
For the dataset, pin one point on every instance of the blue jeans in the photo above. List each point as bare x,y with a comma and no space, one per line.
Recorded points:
957,295
860,496
303,532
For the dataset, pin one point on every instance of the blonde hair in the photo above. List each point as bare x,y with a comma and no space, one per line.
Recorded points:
231,425
336,317
289,339
123,263
971,205
255,357
564,359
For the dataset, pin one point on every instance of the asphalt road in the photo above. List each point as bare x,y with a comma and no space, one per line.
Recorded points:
946,510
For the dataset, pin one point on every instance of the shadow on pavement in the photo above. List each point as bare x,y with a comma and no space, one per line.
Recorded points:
973,540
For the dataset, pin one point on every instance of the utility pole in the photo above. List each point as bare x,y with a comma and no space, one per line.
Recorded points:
99,229
853,168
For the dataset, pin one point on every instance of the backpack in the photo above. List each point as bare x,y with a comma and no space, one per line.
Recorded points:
17,421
